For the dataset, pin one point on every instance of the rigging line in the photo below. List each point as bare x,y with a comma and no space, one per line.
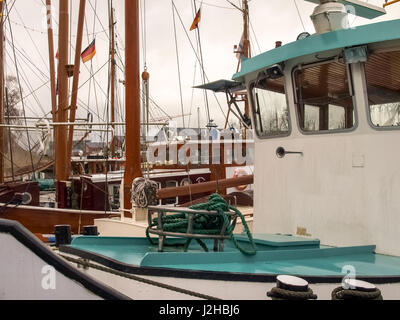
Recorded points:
202,63
28,65
198,59
144,35
192,97
24,77
298,12
107,149
161,109
32,92
92,76
91,64
197,51
28,95
45,33
19,82
90,87
215,5
97,17
24,55
178,63
34,44
234,5
255,37
8,14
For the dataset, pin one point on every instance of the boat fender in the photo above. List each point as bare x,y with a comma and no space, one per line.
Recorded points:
291,288
239,172
44,138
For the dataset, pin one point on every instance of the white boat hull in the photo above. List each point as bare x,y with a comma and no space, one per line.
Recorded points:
225,290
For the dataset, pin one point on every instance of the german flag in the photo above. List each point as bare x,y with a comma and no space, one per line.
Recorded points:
196,21
89,52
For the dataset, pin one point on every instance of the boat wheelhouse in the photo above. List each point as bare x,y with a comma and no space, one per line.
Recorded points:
326,115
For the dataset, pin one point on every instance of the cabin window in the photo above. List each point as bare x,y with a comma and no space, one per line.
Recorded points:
270,109
324,98
382,73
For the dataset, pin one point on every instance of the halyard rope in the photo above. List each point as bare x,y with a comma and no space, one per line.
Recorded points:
86,263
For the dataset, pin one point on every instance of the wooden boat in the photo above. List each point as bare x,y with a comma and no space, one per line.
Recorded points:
42,220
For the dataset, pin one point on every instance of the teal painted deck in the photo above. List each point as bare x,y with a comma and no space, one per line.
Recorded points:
277,254
371,33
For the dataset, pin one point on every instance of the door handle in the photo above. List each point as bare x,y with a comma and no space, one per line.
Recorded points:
281,152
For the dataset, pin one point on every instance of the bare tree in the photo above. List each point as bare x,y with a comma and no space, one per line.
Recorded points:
13,98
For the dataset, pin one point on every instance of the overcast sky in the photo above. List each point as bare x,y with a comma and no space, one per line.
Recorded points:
220,29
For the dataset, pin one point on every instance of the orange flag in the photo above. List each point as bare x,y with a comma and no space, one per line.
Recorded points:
196,21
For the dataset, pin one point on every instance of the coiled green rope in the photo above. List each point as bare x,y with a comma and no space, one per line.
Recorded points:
207,224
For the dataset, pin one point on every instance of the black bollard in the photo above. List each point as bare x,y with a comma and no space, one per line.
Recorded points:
291,288
90,231
63,234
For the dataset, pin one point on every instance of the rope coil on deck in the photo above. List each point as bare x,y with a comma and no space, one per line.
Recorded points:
282,294
341,293
207,224
144,192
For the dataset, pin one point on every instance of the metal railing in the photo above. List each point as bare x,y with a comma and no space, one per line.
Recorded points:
162,211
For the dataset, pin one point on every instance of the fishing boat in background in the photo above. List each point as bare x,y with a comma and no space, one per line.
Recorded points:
84,184
324,109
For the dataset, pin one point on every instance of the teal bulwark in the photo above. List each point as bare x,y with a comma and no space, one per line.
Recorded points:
363,35
276,254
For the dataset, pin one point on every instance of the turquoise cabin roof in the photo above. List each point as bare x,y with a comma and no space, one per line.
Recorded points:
371,33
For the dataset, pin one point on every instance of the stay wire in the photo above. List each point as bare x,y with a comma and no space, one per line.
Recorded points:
20,88
178,63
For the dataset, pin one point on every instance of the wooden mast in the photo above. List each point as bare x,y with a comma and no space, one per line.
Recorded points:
51,61
246,52
2,148
75,83
132,100
61,163
113,69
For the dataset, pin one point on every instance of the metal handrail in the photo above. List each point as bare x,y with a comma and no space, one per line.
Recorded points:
162,210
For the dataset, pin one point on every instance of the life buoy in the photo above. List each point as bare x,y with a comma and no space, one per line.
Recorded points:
239,172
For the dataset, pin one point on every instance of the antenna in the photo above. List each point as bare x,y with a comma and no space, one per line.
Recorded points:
357,7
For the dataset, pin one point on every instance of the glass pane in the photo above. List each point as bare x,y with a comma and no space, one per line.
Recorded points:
324,99
382,72
270,108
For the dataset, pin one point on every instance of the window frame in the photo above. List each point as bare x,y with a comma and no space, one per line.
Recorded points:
366,96
253,110
351,90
